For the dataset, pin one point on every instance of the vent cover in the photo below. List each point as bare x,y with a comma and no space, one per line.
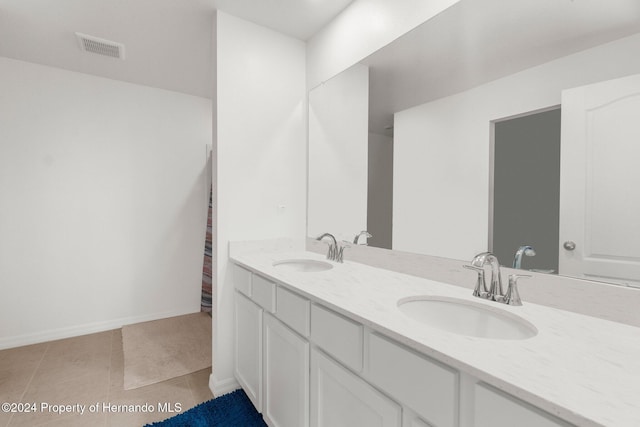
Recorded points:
100,46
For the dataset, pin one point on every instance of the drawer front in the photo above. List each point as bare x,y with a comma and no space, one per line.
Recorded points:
241,279
495,409
338,336
293,310
424,385
263,292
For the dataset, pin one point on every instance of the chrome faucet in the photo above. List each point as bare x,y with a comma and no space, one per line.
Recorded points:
495,292
522,250
332,252
364,233
336,251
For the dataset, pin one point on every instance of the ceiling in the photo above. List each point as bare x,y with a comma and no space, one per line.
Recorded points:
168,43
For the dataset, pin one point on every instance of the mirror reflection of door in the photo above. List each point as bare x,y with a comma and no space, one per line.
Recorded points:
600,199
526,189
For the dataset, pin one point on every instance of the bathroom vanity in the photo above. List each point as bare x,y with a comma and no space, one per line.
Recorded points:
321,343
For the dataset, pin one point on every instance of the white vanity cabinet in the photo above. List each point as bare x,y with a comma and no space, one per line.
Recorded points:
271,359
303,364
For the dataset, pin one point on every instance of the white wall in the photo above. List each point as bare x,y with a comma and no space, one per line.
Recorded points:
362,28
441,158
261,156
338,153
102,202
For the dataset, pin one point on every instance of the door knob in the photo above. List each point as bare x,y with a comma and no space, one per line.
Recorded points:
569,245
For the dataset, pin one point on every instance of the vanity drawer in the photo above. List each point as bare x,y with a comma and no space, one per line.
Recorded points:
495,409
338,336
293,310
241,279
424,385
263,292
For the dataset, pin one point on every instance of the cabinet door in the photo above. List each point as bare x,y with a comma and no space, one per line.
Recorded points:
248,348
496,409
286,376
341,399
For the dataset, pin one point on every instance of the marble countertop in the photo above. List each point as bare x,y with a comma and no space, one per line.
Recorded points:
582,369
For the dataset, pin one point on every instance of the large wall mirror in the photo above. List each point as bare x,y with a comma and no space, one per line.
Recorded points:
494,125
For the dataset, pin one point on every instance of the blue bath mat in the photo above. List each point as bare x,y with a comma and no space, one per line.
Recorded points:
230,410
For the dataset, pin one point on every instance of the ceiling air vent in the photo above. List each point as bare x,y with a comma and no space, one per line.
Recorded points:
100,46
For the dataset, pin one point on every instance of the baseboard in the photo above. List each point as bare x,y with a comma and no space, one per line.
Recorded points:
220,387
87,328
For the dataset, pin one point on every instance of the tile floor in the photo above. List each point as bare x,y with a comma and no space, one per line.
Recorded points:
88,370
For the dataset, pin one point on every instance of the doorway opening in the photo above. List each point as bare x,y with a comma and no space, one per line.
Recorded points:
525,190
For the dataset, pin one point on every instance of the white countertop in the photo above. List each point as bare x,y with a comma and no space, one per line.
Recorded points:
582,369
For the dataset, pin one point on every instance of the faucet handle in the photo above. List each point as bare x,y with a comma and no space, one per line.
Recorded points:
481,284
340,250
512,297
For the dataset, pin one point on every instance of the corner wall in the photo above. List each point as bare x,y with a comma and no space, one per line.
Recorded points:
102,202
261,156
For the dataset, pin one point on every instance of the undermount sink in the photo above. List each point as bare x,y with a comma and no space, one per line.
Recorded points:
302,265
467,318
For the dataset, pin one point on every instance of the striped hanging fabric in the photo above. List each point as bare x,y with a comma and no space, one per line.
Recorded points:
205,300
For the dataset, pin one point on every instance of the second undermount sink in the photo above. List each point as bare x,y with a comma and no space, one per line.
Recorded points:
467,318
302,265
